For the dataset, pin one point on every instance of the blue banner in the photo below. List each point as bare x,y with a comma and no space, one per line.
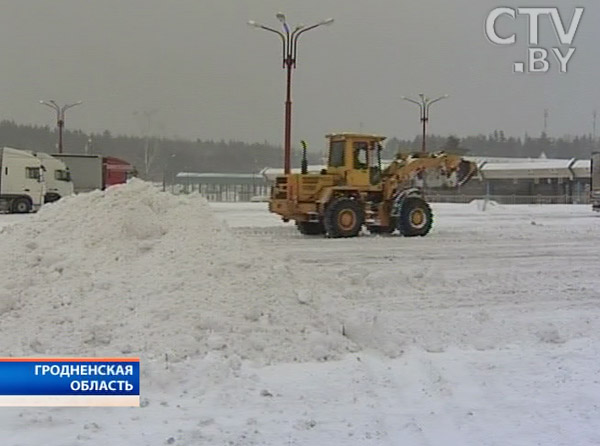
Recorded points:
70,376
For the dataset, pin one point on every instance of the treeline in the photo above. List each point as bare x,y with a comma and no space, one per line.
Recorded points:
497,144
155,158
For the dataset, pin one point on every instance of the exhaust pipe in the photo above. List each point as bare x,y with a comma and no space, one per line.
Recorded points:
304,166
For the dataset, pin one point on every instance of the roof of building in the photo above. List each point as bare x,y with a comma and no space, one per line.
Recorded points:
355,135
220,178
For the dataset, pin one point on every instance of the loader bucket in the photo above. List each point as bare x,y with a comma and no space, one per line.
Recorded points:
465,171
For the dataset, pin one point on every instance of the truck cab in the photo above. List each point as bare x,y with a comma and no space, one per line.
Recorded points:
22,186
56,176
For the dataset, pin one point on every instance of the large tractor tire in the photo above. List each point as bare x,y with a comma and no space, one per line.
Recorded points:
310,228
344,217
416,217
21,206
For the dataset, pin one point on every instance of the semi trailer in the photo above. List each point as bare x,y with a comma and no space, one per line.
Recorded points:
90,172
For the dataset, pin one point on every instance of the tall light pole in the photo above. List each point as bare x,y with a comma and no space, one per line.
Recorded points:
60,118
289,41
147,125
424,104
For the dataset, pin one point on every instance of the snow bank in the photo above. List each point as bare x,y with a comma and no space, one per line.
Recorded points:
492,322
134,271
483,205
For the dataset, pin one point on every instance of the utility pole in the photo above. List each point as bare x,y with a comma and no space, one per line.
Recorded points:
546,115
289,40
147,125
595,117
424,104
60,118
88,146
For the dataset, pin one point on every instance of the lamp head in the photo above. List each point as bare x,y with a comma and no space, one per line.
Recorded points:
328,21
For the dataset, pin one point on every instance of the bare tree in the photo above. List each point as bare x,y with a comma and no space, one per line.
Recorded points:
151,127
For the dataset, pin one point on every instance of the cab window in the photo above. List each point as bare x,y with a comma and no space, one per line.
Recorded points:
62,175
336,157
32,173
361,157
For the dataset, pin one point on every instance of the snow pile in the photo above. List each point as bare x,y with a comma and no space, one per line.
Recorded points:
134,271
492,323
483,205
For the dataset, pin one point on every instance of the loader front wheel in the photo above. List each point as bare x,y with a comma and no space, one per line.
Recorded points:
344,217
310,228
416,217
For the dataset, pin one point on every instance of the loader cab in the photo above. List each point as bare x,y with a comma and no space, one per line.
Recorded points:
356,158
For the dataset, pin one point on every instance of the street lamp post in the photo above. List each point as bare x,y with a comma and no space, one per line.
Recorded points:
424,103
289,41
60,118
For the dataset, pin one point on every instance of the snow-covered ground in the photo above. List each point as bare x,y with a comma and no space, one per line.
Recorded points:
485,332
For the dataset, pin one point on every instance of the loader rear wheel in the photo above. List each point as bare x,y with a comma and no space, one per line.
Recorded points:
310,228
344,217
416,217
21,206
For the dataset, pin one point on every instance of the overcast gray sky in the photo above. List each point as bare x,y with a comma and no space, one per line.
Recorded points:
209,75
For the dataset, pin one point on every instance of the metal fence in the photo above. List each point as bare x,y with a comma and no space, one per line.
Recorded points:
511,199
223,192
237,193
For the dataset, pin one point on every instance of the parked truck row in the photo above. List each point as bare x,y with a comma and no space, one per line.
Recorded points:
28,179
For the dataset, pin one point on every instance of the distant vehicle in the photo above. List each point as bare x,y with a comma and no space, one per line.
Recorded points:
90,172
22,186
57,177
595,189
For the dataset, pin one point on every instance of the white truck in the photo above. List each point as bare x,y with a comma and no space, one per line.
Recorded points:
56,176
87,171
90,172
595,185
22,185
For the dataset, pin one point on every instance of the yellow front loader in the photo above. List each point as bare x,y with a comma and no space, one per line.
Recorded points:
355,191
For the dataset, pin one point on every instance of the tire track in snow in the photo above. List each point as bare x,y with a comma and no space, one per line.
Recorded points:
432,423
